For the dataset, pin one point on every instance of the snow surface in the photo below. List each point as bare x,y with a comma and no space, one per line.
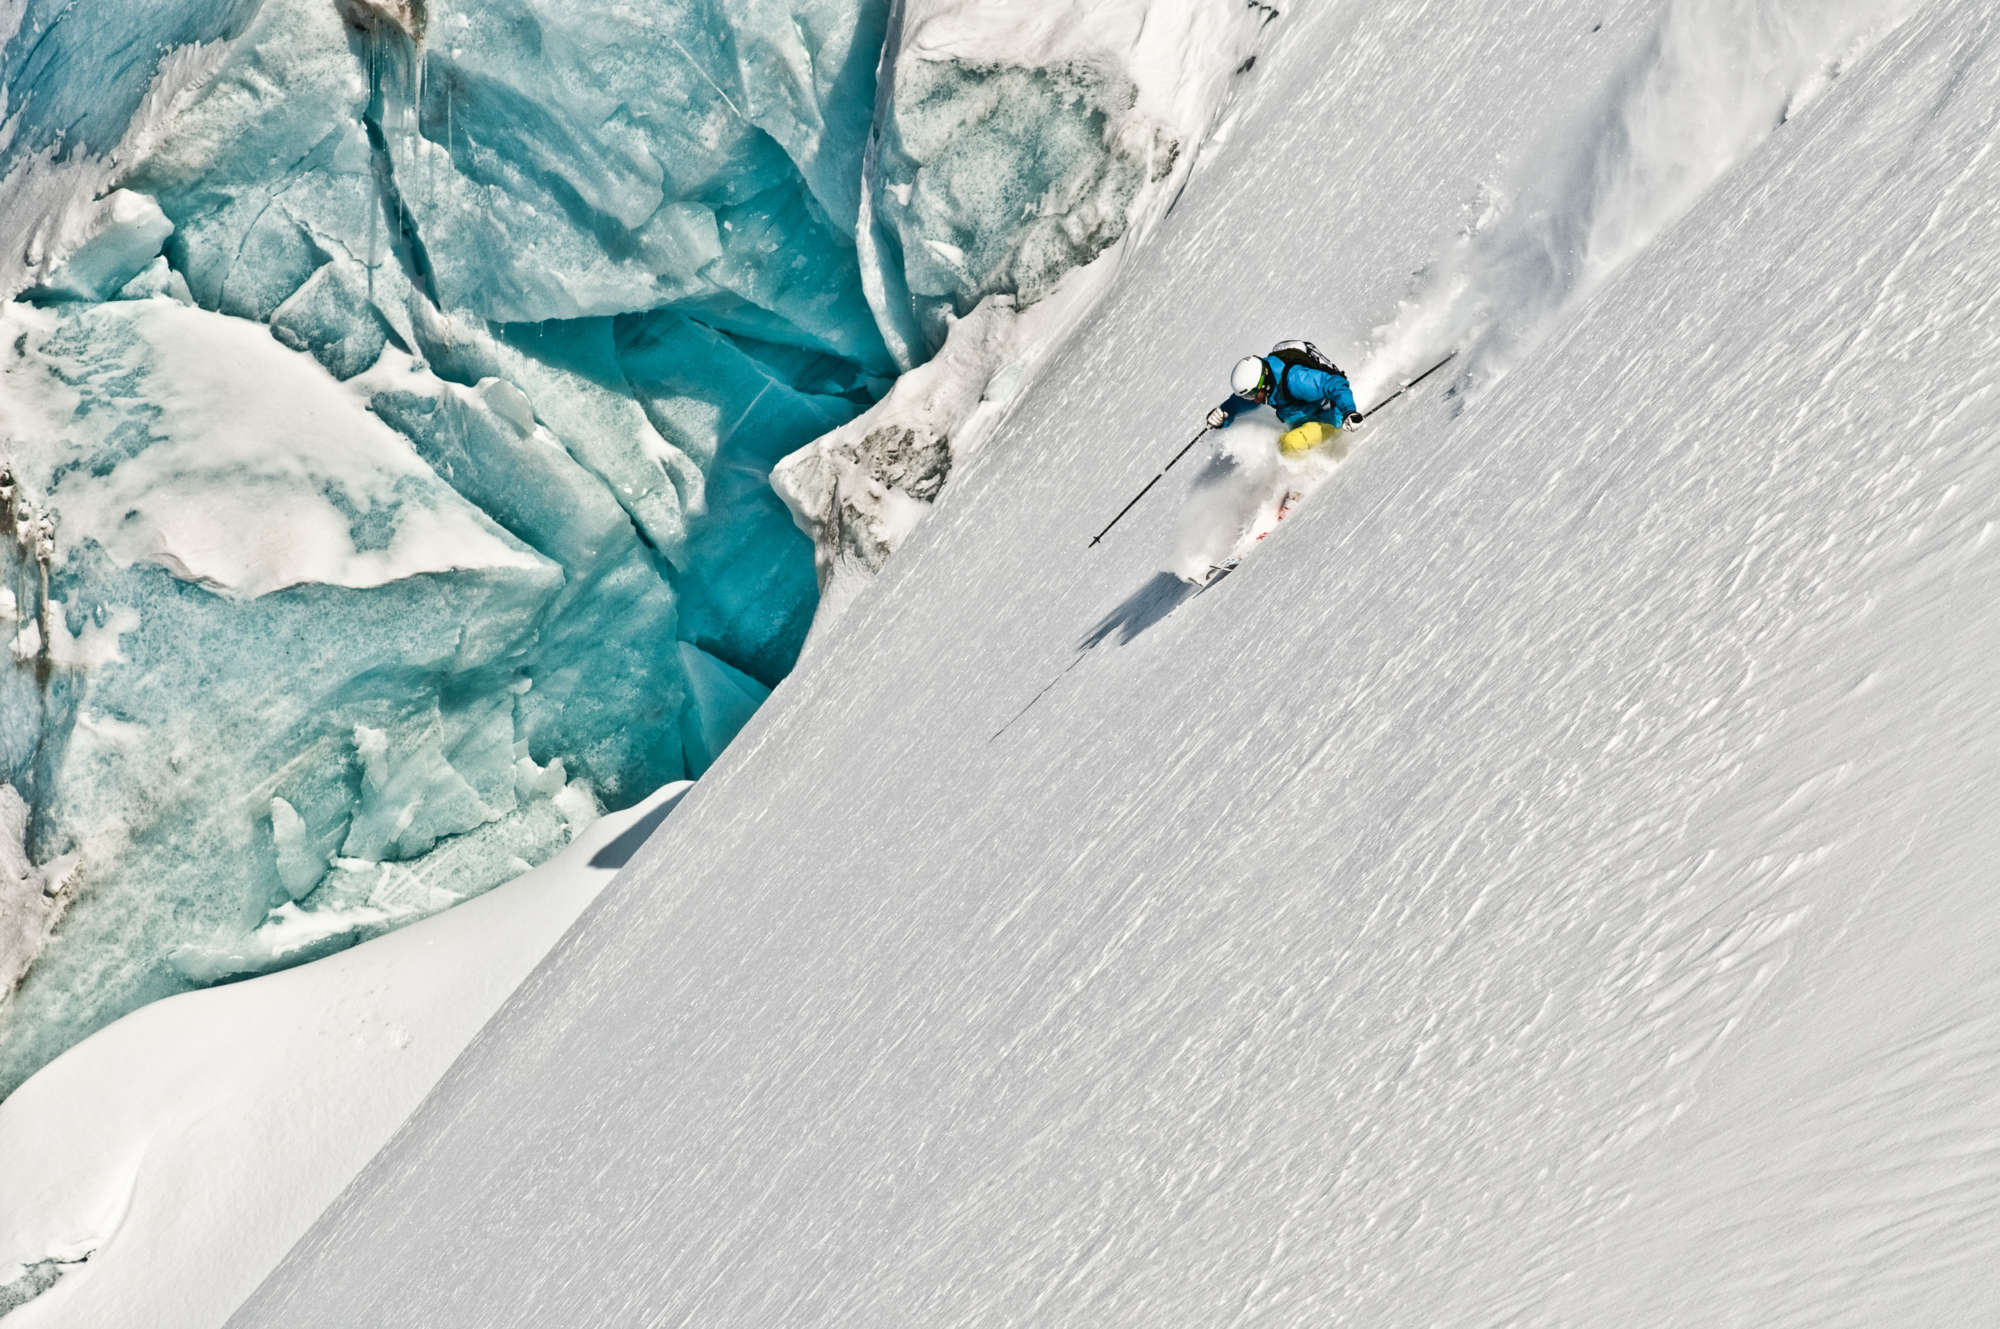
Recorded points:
260,465
1550,882
171,1159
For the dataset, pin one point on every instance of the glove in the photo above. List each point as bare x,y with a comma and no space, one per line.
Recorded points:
1354,419
1217,418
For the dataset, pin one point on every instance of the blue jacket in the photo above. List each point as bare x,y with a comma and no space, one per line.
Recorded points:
1301,394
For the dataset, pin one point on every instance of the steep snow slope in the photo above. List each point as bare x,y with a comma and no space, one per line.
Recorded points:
1549,883
157,1171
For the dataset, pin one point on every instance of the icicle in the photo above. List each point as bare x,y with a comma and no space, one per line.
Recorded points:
374,43
45,553
34,532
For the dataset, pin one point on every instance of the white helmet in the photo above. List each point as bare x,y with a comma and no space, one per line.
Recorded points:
1249,375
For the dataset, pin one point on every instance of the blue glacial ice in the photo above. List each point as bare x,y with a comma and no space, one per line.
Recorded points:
390,393
1018,153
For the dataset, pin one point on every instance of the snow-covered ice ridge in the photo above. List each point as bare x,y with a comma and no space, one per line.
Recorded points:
1550,883
389,395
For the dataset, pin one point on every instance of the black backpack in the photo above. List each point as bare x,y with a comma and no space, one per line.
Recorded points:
1304,353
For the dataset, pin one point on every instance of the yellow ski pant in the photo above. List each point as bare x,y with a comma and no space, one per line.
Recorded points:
1295,442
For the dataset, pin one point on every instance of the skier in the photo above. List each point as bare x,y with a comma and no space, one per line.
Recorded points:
1309,393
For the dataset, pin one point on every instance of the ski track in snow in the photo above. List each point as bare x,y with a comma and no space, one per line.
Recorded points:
1712,80
1550,884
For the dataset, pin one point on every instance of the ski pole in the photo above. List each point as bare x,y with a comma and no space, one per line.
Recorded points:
1149,484
1413,382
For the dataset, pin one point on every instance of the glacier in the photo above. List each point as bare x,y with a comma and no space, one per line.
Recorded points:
1546,884
1549,883
393,392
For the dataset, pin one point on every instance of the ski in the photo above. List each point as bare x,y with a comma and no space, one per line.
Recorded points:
1292,497
1287,503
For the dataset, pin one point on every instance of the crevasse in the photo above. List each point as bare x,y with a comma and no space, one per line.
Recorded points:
390,392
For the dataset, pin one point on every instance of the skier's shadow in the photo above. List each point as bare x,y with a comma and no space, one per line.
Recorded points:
1141,610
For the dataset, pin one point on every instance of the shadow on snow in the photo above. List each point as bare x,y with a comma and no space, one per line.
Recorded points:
1141,610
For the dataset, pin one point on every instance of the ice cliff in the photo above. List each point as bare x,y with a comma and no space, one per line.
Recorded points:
390,392
997,194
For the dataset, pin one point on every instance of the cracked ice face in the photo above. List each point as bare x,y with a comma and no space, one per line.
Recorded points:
408,415
393,393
